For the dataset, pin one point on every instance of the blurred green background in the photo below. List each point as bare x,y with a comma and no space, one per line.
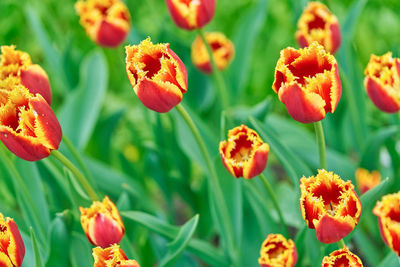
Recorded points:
149,162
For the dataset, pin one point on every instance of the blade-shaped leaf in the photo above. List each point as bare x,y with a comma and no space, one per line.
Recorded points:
36,249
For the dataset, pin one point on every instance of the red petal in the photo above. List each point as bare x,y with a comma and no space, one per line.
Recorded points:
257,164
380,97
330,230
36,80
110,35
105,231
335,37
17,255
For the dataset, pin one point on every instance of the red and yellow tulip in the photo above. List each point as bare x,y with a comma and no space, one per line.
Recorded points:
102,223
367,180
277,251
12,248
157,75
318,24
382,82
222,49
307,82
329,205
112,256
191,14
244,154
388,212
341,257
106,22
16,67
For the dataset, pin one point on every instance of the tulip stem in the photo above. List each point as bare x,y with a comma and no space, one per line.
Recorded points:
341,243
319,131
81,178
220,205
223,91
275,203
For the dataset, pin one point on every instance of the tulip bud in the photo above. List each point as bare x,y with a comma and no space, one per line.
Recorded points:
28,126
222,49
388,212
102,223
340,258
329,205
307,82
112,256
244,154
277,251
106,22
12,248
191,14
16,68
318,24
367,180
157,75
382,81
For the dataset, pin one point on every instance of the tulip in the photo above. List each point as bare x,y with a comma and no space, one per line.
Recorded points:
157,75
367,180
329,205
244,154
112,256
106,22
388,212
382,82
318,24
341,257
191,14
277,251
102,223
12,248
28,126
16,68
307,82
222,49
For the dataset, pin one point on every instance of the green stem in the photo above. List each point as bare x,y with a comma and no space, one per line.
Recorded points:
319,131
275,202
341,244
221,208
81,178
223,91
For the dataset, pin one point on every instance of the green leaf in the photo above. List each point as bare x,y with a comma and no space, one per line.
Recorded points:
391,259
81,109
59,241
178,245
371,196
80,252
36,250
203,250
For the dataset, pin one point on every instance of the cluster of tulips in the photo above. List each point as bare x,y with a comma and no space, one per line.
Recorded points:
306,81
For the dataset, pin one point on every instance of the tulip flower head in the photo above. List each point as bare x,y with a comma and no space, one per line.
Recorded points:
222,49
12,249
157,75
382,82
318,24
191,14
112,256
388,212
367,180
28,126
329,205
341,257
307,82
106,22
244,154
17,67
102,223
276,251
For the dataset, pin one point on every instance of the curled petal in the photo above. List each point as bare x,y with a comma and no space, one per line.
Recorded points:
112,256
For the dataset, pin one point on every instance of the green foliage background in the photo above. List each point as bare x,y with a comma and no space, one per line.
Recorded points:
149,163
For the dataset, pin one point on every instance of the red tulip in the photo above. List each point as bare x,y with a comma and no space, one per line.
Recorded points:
367,180
106,22
329,205
318,24
157,75
382,81
244,154
12,248
16,68
277,251
28,126
222,49
191,14
112,256
340,258
307,82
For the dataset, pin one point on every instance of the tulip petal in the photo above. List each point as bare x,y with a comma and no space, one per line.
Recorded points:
36,80
380,96
330,230
110,35
257,163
